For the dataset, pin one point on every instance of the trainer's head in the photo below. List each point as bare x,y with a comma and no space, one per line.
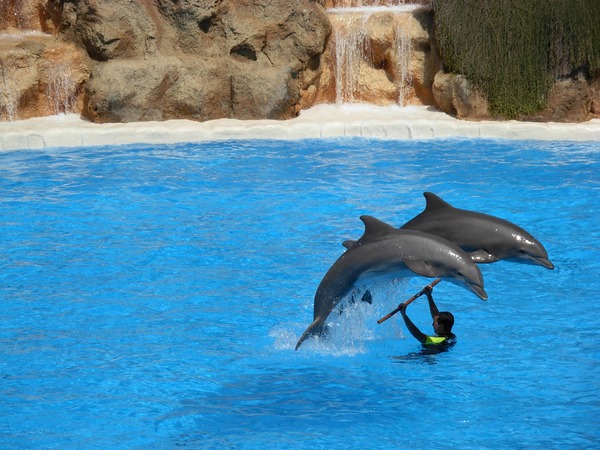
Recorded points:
442,323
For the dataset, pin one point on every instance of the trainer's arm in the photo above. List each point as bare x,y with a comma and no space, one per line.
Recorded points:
433,309
418,335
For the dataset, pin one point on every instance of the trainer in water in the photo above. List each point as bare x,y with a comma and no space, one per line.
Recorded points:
384,253
442,323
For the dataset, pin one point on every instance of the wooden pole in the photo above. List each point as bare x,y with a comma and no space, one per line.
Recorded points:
410,300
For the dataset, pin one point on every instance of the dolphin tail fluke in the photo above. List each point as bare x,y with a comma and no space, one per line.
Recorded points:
314,328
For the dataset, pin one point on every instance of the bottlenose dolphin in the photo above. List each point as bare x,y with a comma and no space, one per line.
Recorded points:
485,238
386,252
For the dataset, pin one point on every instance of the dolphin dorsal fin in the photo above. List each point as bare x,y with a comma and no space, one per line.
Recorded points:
349,244
434,202
374,229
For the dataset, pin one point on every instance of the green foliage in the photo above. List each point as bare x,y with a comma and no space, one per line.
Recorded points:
514,49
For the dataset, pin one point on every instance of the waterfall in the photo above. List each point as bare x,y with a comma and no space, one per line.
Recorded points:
351,45
372,55
39,75
8,95
403,46
61,89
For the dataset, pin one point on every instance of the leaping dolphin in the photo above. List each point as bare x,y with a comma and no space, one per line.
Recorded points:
485,238
385,252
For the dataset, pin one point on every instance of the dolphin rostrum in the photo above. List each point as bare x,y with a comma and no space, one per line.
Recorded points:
485,238
385,252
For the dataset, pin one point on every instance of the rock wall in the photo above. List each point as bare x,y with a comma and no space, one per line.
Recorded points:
360,3
21,14
167,59
123,61
40,76
574,99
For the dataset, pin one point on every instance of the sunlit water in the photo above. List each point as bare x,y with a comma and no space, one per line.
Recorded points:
151,297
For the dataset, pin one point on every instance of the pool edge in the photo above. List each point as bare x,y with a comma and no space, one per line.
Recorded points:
322,121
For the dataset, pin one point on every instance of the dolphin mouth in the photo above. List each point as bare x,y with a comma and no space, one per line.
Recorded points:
479,291
544,262
471,286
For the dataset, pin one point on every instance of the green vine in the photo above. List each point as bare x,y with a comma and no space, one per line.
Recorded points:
513,50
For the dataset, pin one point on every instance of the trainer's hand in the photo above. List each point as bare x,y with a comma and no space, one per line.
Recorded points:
402,308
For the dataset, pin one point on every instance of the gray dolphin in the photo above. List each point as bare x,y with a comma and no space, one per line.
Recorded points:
485,238
385,252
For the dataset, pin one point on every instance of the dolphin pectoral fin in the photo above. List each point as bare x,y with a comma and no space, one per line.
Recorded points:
421,268
482,257
314,328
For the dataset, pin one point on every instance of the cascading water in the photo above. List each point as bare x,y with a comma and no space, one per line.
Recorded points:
403,53
372,54
9,92
351,45
8,98
61,88
38,74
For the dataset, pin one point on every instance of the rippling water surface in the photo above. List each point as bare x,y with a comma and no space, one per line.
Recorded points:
151,297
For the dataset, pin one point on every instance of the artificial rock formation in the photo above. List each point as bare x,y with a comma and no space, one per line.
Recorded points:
122,61
165,59
379,57
40,76
570,99
362,3
454,95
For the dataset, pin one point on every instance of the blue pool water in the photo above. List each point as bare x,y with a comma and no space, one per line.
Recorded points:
151,297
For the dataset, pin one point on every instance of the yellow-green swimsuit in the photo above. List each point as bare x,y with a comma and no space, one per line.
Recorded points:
434,340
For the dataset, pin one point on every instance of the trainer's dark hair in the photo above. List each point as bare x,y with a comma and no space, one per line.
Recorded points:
446,319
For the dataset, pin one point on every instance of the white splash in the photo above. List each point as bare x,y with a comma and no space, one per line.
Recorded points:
351,325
